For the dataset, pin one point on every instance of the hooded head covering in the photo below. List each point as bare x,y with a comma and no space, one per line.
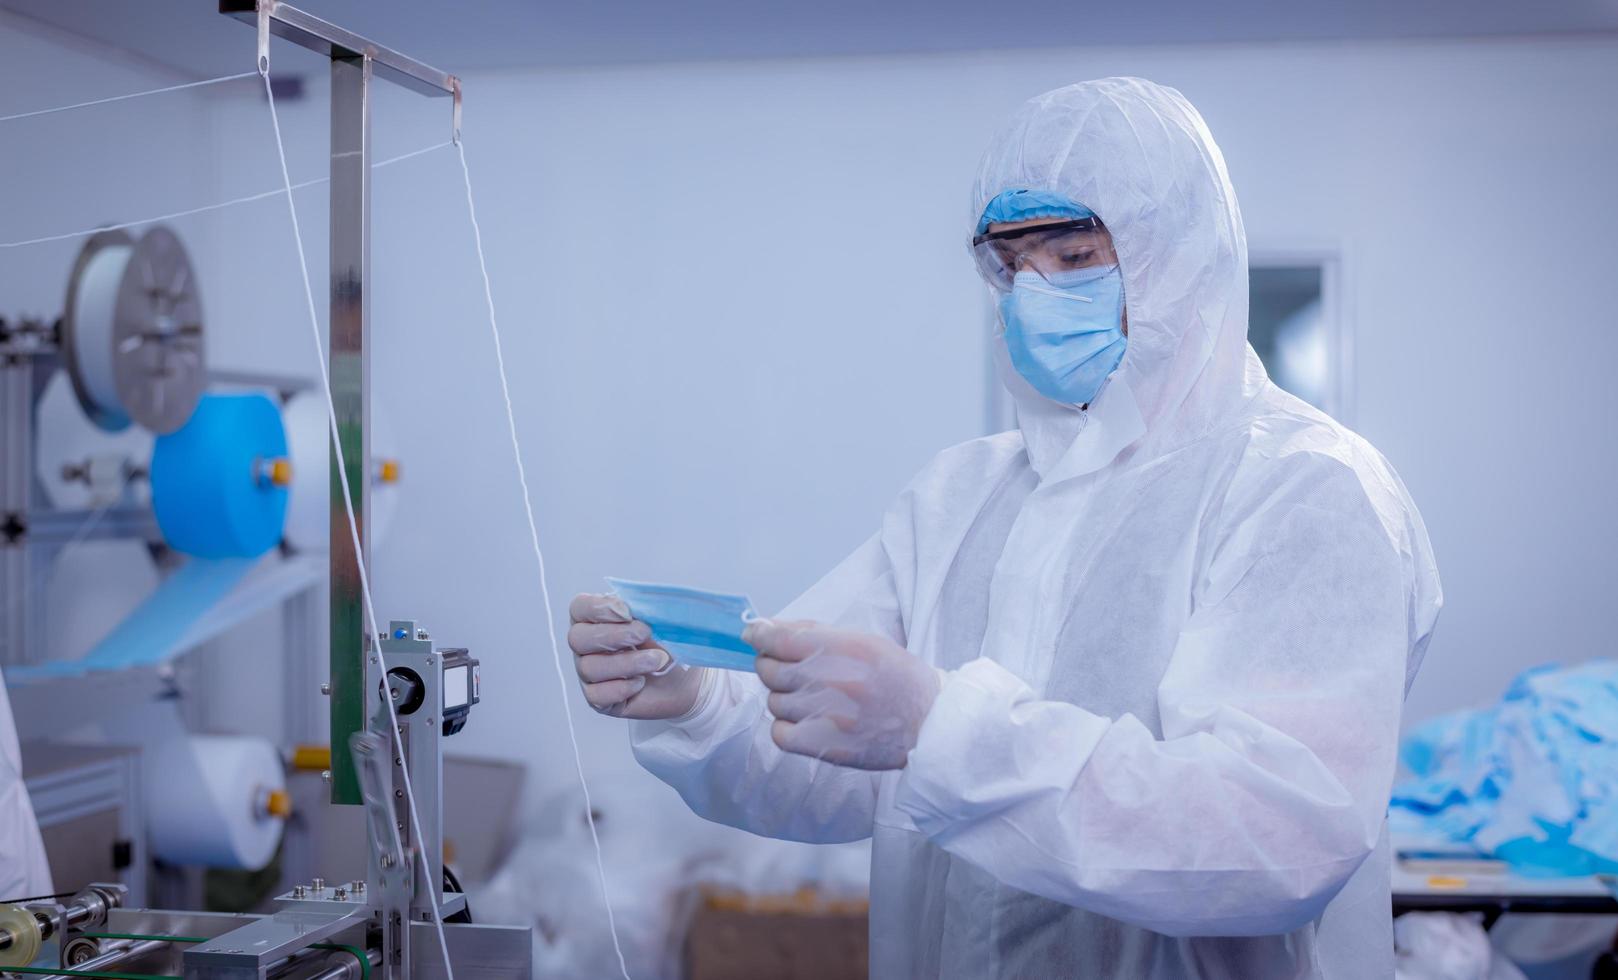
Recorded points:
1141,157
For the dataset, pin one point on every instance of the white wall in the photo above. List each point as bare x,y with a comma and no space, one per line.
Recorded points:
738,314
88,167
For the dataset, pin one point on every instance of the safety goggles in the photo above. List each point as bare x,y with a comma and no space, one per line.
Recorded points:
1049,250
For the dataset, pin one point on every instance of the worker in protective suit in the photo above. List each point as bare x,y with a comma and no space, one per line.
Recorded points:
1117,694
23,871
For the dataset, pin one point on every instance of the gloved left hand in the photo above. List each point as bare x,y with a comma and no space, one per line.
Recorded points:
854,699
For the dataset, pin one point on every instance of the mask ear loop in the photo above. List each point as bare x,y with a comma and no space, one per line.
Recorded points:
749,617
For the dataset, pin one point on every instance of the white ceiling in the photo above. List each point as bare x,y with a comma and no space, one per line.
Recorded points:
465,35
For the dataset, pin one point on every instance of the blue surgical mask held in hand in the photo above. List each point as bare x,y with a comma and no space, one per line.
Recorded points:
1065,333
698,628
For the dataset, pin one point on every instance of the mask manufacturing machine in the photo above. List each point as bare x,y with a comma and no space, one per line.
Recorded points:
150,371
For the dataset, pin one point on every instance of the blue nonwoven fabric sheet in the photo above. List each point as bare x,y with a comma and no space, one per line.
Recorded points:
697,627
151,633
1532,780
208,489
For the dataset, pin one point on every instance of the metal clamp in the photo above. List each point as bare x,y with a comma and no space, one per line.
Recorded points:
455,111
265,7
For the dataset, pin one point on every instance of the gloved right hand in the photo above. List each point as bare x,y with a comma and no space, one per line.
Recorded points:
616,658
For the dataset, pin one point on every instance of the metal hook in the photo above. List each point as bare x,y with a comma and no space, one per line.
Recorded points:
455,94
265,7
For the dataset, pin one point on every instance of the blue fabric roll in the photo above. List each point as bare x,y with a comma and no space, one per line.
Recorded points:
206,490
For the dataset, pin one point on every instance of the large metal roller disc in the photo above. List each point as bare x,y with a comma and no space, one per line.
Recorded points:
132,337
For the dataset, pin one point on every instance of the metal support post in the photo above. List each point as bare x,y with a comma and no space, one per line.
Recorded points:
16,486
354,59
350,384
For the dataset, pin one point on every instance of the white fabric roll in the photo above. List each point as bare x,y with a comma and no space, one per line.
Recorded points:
205,800
309,446
94,308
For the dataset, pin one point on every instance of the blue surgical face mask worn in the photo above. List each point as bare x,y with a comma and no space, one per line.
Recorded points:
698,628
1065,333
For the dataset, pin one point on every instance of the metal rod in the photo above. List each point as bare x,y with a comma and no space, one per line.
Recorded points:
350,969
77,915
58,527
21,610
300,27
124,952
305,958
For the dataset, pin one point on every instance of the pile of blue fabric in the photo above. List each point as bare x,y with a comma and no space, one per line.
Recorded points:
1532,781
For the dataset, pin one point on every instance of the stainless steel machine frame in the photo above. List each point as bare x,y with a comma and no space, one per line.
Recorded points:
355,62
389,693
384,926
34,533
322,936
31,536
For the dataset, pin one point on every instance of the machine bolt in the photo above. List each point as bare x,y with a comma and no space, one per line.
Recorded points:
387,861
325,688
341,894
358,886
325,775
319,884
421,634
299,891
398,794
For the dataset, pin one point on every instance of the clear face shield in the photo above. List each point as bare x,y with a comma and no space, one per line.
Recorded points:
1054,251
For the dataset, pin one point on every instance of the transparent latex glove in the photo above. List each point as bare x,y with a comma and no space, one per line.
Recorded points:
854,699
624,672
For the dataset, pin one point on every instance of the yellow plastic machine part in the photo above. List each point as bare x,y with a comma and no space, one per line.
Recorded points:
281,472
278,804
311,758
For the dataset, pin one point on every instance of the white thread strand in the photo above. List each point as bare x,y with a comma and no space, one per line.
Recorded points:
539,557
247,199
130,95
433,887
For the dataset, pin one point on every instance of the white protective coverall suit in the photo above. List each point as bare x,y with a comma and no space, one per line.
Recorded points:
1177,630
23,871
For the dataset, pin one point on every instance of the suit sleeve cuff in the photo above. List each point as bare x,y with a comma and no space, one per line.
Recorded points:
988,745
696,724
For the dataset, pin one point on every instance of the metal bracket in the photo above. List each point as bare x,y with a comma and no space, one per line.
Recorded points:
264,36
286,21
247,951
455,113
392,867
